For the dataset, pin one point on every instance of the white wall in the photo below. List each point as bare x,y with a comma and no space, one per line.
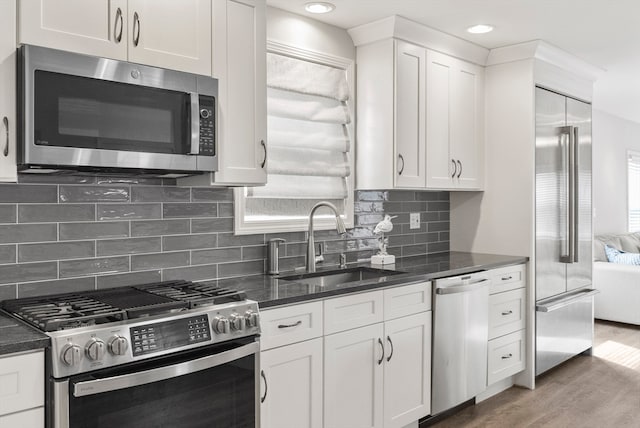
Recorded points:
309,34
612,137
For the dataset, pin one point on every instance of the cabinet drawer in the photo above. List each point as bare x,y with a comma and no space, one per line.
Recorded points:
505,356
507,278
21,382
283,326
33,418
407,300
506,312
349,312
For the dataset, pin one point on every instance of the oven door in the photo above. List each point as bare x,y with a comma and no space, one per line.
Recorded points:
192,390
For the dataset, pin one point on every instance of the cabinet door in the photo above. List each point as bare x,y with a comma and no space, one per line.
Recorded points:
441,166
467,124
240,64
33,418
92,27
407,370
171,34
293,386
8,91
409,127
353,364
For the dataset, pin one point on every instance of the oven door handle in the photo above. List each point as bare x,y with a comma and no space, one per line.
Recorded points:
81,389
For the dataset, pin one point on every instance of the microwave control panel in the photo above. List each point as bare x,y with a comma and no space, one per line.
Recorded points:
207,125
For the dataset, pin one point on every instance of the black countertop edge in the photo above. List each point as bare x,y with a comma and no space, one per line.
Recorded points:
16,336
272,291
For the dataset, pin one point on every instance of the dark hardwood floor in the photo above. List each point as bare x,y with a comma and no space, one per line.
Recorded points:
596,391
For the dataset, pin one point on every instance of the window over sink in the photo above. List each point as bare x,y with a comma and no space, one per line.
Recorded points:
310,111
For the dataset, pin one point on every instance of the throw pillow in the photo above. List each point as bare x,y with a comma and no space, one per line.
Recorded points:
618,256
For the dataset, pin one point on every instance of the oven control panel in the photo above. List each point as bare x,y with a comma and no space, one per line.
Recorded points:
149,338
90,348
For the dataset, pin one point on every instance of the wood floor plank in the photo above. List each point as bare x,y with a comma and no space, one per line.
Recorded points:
598,391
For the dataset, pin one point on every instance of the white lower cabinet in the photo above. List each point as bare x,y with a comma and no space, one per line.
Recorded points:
8,171
357,361
292,386
22,390
353,394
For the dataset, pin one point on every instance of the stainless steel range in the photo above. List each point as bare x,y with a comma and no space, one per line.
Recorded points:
164,355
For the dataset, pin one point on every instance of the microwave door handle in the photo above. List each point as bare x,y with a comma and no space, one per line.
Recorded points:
194,114
115,383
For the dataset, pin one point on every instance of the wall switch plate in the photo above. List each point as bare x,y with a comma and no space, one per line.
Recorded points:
414,221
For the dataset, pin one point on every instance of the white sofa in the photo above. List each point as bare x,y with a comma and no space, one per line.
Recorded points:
619,284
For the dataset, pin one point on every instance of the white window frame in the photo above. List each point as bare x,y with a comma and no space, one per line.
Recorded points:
242,227
630,154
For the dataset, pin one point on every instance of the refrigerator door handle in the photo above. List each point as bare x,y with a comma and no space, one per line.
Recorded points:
567,143
576,192
554,305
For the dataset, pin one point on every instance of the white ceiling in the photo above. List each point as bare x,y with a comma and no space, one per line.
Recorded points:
605,33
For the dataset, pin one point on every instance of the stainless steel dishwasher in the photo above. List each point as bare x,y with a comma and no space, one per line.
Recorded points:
460,334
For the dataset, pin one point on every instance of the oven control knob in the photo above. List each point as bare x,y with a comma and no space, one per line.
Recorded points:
253,318
71,354
95,349
220,325
236,321
118,345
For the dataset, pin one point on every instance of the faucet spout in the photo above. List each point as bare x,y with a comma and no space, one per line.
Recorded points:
311,250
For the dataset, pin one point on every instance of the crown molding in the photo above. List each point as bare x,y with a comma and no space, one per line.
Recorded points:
405,29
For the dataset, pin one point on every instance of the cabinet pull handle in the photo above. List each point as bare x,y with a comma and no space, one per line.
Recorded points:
266,387
136,24
506,357
402,159
455,168
295,324
505,313
460,172
382,349
507,278
264,147
115,28
391,344
5,152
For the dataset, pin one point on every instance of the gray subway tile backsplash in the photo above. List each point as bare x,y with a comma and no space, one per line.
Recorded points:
7,213
68,233
55,251
50,213
129,211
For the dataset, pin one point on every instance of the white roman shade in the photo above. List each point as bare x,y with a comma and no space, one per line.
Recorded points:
308,139
633,168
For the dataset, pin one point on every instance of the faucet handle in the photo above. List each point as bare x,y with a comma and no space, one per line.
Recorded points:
343,261
319,252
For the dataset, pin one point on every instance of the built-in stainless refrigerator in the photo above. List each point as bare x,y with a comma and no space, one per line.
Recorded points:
563,261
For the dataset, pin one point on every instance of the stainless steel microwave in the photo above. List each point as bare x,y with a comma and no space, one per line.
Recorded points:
84,113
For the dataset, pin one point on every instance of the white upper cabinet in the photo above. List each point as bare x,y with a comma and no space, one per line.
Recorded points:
92,27
171,34
454,123
409,127
162,33
8,171
420,117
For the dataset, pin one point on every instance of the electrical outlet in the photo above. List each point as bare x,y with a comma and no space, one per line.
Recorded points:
414,221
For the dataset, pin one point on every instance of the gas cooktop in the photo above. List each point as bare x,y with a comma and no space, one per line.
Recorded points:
96,329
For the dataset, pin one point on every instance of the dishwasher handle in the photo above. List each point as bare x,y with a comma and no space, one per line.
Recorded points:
463,288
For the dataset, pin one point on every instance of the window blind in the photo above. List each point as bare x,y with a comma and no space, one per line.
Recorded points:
308,139
633,168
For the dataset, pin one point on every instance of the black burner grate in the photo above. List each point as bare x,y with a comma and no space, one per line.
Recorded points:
196,294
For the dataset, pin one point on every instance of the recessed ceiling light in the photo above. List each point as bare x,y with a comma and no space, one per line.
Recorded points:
480,29
319,7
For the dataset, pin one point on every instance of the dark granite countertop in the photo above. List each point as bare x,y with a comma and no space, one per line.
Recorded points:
15,336
270,291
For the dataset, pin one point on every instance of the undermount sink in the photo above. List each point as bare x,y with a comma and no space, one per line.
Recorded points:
339,277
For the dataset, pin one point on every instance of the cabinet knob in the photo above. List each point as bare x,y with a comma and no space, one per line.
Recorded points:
136,28
264,147
5,152
460,170
400,170
455,168
118,19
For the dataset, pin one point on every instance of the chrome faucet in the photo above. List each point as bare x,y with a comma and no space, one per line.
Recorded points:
311,247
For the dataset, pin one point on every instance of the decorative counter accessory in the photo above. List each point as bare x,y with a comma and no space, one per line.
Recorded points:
383,258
